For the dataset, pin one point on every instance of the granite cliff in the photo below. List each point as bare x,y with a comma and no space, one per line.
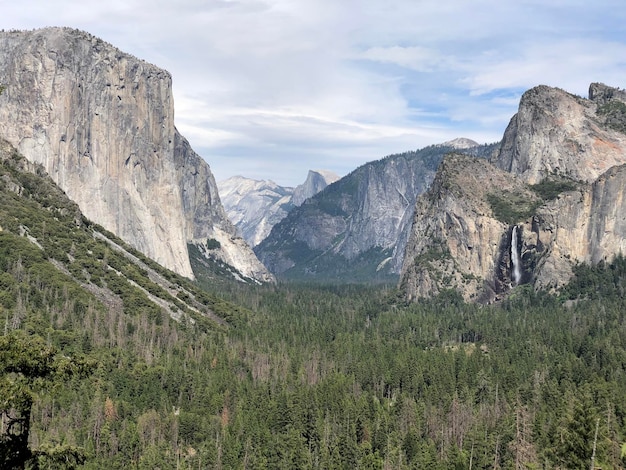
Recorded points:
316,181
357,228
256,206
101,123
552,196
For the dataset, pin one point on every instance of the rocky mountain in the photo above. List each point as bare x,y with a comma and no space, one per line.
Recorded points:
460,143
50,252
101,123
551,197
315,182
256,206
357,228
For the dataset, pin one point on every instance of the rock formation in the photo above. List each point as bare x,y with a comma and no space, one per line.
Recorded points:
553,197
101,123
556,133
315,182
357,228
456,239
256,206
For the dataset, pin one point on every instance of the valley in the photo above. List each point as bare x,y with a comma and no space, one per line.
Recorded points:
459,306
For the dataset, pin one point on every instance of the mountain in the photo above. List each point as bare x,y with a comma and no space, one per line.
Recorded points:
101,123
460,143
52,255
551,197
356,229
315,182
256,206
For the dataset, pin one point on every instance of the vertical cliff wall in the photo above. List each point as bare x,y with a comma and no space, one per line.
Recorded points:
205,217
557,133
101,122
553,197
457,241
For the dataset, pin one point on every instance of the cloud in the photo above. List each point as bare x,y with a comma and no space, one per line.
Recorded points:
275,87
416,58
570,64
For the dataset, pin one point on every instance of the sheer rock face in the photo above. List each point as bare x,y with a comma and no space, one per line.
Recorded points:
583,226
459,241
205,217
256,206
101,123
357,226
315,182
555,132
456,240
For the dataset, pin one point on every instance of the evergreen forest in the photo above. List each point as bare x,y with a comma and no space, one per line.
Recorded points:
107,363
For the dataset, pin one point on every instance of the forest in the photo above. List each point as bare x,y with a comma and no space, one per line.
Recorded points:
332,377
289,376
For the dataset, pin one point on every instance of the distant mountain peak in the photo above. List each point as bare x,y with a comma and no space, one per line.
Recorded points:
255,206
460,143
329,176
316,180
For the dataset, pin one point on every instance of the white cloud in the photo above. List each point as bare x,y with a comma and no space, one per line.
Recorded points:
276,87
570,64
416,58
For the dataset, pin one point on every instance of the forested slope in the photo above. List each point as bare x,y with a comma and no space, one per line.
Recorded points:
296,377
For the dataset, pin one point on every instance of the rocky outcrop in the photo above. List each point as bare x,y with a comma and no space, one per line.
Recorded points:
457,240
357,228
553,197
556,133
101,123
587,225
315,182
256,206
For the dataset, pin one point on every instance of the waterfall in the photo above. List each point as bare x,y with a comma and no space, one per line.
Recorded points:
516,272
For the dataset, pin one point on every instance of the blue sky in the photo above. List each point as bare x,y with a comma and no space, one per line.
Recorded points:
269,89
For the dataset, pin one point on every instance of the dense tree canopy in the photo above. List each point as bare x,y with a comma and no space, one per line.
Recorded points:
339,377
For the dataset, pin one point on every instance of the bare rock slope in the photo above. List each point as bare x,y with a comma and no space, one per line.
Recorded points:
256,206
101,122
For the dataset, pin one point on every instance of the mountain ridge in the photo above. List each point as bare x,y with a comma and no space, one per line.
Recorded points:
356,229
255,206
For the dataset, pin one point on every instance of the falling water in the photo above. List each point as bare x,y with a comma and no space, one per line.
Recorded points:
516,273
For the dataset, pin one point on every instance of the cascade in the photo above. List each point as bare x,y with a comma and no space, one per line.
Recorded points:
516,272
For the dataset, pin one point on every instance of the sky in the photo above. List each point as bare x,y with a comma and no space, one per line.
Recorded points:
269,89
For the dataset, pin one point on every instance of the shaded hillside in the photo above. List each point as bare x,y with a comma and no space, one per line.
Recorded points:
357,228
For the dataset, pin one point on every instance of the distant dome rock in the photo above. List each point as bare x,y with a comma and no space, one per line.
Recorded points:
460,143
256,206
